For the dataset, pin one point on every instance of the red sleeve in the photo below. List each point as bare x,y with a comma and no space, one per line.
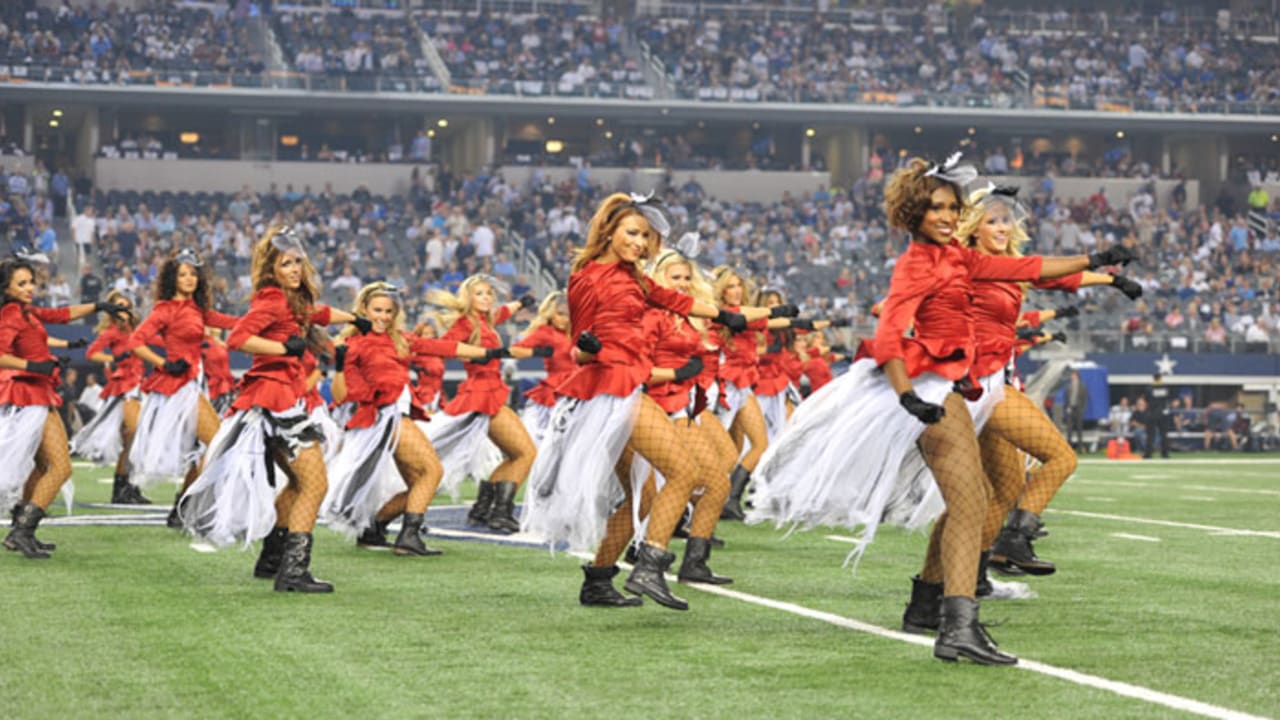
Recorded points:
155,324
761,325
651,328
358,388
534,339
213,318
1066,283
668,299
268,306
504,314
321,315
57,316
1030,318
100,344
11,324
910,284
583,301
436,347
1000,267
461,330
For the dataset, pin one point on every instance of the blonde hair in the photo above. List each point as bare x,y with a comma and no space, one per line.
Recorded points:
463,304
975,213
612,211
698,288
106,320
909,192
361,307
263,272
547,310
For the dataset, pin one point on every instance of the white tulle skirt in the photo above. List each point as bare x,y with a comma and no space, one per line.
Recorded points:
332,431
734,397
536,417
165,445
774,409
233,499
573,488
21,428
363,476
464,447
839,460
101,440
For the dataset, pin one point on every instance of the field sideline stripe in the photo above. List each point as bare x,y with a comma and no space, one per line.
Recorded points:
1167,523
1166,486
1137,692
1171,461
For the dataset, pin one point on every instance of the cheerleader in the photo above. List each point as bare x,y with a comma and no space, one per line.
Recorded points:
33,440
573,496
383,451
429,369
220,384
234,497
479,409
109,434
818,357
549,329
838,462
176,421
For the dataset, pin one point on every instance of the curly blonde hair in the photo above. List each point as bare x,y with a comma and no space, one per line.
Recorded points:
361,308
463,304
975,213
909,192
699,289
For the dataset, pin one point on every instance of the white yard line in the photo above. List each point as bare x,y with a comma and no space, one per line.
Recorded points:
1179,461
1167,523
1143,538
1167,486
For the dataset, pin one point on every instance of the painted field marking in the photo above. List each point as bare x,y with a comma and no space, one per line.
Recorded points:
1171,461
1199,498
1100,499
1164,486
1167,523
842,538
1150,476
1143,538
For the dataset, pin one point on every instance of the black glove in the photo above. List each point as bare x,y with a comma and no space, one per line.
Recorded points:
1131,289
801,324
175,367
690,369
1028,334
295,347
543,351
496,354
339,358
773,348
839,350
77,343
786,310
841,322
1059,336
589,344
117,359
364,325
527,301
41,367
736,322
1114,255
205,345
1063,313
120,311
925,412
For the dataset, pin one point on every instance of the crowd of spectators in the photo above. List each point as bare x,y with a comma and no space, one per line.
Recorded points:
343,44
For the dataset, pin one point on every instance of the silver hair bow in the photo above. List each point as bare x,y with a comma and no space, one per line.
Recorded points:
651,208
953,172
689,245
289,241
188,257
1006,195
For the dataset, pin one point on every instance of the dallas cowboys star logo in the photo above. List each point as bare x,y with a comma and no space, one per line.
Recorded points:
1164,365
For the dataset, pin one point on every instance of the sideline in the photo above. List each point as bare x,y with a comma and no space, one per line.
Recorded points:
1275,534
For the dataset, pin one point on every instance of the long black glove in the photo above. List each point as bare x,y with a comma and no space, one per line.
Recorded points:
785,310
589,344
773,348
925,412
77,343
1114,255
41,367
527,301
363,325
295,347
1029,334
175,367
801,324
1131,289
736,322
339,358
106,306
492,354
841,322
690,369
1063,313
543,351
1060,336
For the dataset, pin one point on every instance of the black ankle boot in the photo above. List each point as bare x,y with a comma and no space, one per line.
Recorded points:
647,577
409,541
479,514
374,536
133,494
13,523
694,568
1013,547
120,489
295,567
924,612
961,634
716,542
174,521
502,517
22,538
737,486
984,583
272,550
597,588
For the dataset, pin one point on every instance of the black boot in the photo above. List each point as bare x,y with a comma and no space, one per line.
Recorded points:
174,521
22,538
984,583
374,536
409,541
479,514
502,516
924,612
295,567
13,523
1013,546
134,494
716,542
961,634
1040,531
630,554
120,490
737,486
269,558
694,568
647,576
682,527
597,588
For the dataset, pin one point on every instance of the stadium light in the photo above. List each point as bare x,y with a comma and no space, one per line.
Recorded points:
289,140
551,120
442,123
919,129
1275,138
431,133
1120,134
555,146
599,122
57,113
972,131
810,132
189,138
608,134
53,123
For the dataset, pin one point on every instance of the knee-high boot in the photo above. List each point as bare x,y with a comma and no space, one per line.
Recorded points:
295,567
22,538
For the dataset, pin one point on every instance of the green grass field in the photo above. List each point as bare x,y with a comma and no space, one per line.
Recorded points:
131,622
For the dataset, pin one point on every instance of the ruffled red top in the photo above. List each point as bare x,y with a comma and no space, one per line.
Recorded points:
608,300
273,382
177,326
126,372
931,288
674,342
430,380
22,335
377,374
775,372
217,369
483,390
818,369
996,308
741,363
313,399
559,366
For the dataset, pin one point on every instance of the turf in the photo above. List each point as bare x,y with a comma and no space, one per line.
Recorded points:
130,622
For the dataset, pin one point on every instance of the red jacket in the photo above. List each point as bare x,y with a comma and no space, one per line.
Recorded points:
178,327
559,366
273,382
932,287
126,373
377,374
217,369
774,369
607,299
741,364
22,334
483,390
430,379
818,369
996,306
673,342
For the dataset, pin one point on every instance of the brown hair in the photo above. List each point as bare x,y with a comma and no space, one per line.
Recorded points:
106,320
603,225
909,192
263,273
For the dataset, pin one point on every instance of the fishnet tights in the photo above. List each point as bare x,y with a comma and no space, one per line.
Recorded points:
1020,420
619,529
421,469
509,434
53,460
950,449
128,427
308,482
714,478
749,422
1007,475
